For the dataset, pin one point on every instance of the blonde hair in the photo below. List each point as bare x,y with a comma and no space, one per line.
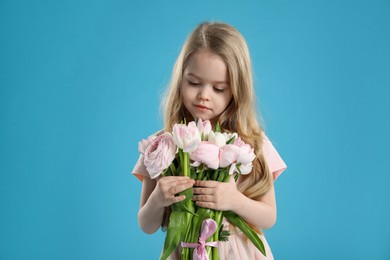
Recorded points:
240,115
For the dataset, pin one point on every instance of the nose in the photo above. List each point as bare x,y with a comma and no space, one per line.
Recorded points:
203,93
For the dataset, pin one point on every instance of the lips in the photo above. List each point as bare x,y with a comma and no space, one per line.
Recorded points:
202,107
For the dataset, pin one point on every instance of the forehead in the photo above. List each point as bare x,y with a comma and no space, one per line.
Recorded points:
207,66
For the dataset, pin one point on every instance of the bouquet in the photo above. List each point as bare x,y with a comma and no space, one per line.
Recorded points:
196,151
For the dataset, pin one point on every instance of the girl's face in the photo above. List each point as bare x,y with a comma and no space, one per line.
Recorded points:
205,86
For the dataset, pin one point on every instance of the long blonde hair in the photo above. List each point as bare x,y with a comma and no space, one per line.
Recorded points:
240,116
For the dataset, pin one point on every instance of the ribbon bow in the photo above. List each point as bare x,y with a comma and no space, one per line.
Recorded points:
209,226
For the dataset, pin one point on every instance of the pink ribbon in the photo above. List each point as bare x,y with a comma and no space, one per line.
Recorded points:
209,226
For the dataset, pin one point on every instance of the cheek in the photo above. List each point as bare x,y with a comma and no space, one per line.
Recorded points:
183,92
228,98
186,98
188,93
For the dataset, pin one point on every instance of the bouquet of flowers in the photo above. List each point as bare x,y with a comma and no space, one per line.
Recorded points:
196,151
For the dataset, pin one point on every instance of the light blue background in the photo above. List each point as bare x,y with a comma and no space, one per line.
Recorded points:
81,84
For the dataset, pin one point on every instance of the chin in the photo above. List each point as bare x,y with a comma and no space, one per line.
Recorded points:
204,118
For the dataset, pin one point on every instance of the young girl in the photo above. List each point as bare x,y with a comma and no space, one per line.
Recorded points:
212,80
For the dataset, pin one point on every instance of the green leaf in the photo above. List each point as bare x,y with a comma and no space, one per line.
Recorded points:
236,177
231,140
224,235
172,169
217,127
182,207
193,174
167,172
174,230
189,194
247,230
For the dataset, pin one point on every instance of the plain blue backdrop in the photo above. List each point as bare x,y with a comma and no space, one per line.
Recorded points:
80,85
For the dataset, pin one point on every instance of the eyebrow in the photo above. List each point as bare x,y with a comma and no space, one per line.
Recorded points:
217,82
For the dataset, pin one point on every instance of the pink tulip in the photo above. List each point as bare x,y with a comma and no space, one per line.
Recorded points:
204,127
246,154
206,153
186,137
239,142
246,168
232,169
159,154
228,155
238,153
245,157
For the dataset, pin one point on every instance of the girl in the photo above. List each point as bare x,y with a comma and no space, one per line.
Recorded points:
212,80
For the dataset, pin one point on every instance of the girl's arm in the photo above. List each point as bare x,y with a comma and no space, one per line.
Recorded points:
155,196
260,213
225,196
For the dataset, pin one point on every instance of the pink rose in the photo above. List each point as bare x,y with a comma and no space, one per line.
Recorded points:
159,154
144,143
207,153
204,127
186,137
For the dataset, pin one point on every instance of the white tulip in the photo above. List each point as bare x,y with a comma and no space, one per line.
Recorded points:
218,139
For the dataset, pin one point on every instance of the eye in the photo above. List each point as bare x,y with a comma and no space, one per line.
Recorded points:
218,90
193,83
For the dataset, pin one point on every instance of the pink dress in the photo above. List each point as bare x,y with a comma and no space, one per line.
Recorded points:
238,246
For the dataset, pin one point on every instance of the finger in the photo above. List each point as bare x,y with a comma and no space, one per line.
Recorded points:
175,178
177,182
180,187
209,205
209,184
202,198
231,179
203,191
184,182
176,199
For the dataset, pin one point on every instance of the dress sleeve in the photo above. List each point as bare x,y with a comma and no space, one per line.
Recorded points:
275,163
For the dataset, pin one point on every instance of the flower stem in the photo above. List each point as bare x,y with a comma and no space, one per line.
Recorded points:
185,162
218,219
186,165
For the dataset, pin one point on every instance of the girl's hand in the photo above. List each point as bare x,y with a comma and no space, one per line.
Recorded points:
167,187
216,195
